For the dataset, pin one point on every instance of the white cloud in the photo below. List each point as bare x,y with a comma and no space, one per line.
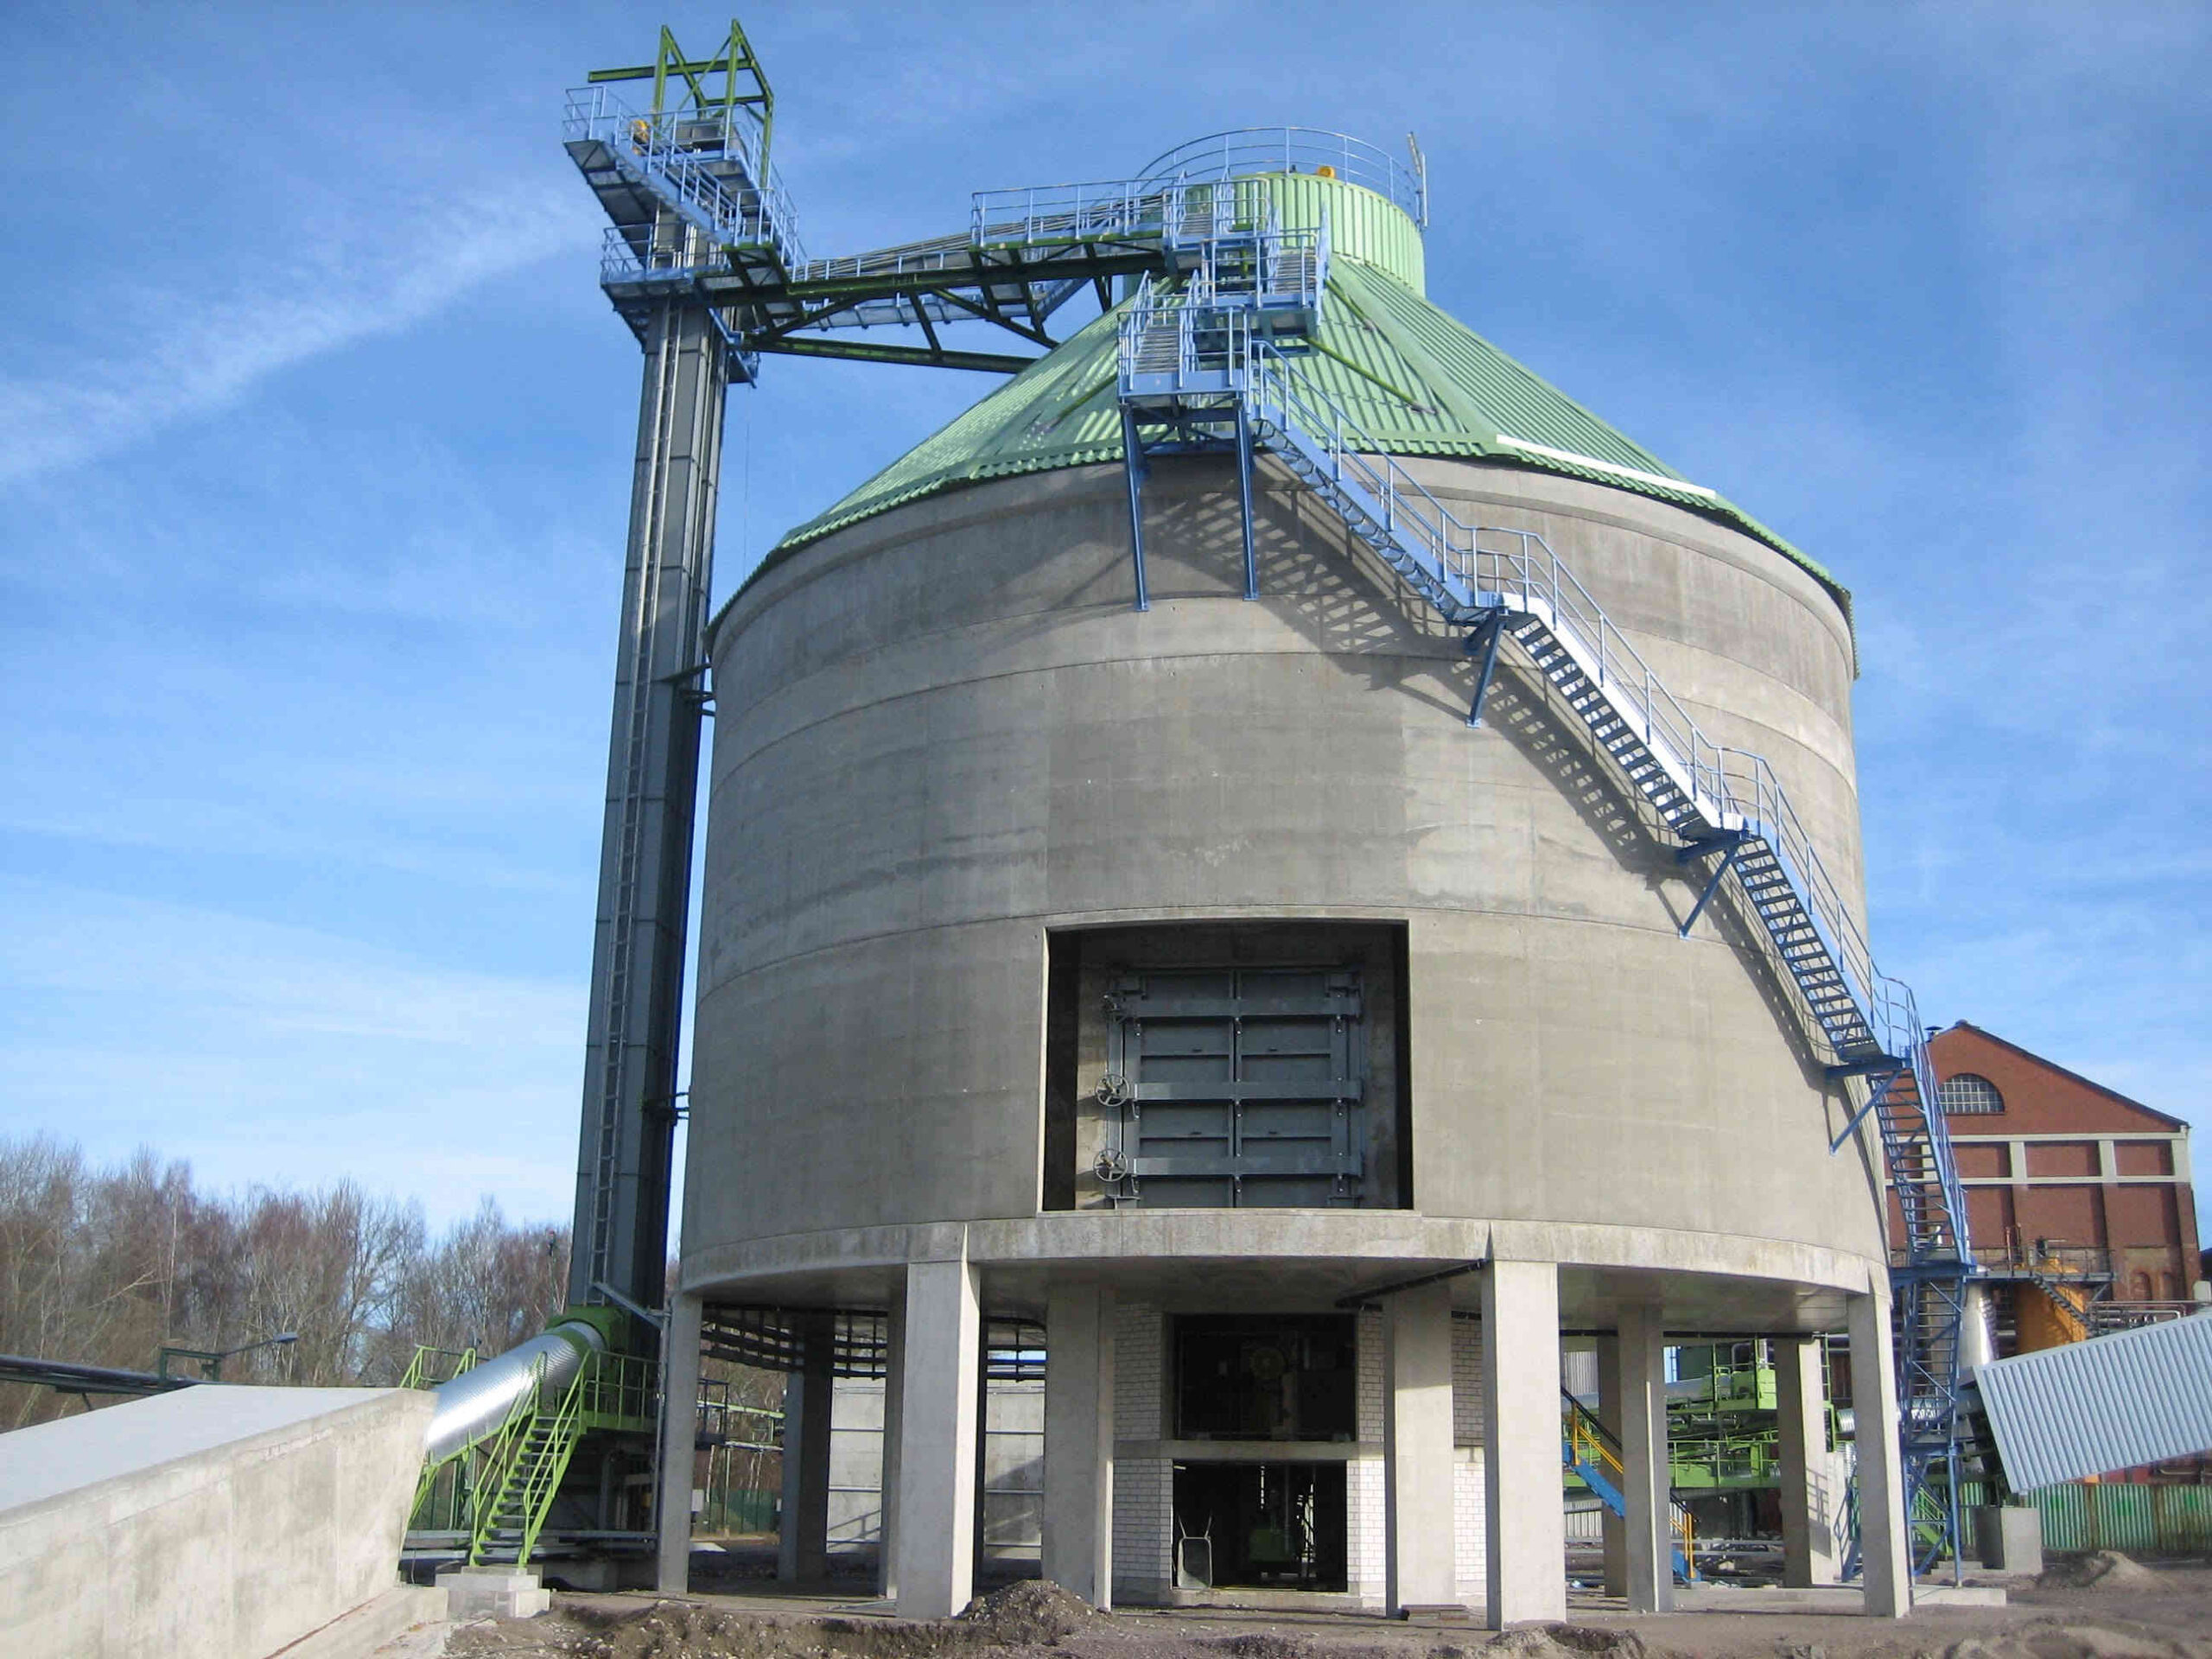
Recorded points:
192,353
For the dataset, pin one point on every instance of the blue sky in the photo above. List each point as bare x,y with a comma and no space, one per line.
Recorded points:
314,460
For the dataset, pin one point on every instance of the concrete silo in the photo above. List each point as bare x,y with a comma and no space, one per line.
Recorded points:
1193,982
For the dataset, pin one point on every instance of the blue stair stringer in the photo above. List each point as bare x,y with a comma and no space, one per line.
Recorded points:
1195,363
1579,1459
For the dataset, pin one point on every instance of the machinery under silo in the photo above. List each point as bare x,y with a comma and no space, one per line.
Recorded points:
1279,856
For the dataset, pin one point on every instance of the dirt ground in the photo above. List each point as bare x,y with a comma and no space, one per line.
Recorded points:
2097,1608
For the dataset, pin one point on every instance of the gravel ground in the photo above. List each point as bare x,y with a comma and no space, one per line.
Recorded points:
2097,1608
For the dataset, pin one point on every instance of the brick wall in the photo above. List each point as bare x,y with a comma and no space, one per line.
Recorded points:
1470,1504
1144,1493
1366,1514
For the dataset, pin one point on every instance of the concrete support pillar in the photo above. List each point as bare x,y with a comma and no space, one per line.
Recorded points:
894,1378
1527,1528
939,1395
1417,1448
803,1546
1885,1548
1809,1505
1079,1441
1612,1528
1645,1485
679,1439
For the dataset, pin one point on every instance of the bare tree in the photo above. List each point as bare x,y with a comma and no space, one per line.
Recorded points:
105,1267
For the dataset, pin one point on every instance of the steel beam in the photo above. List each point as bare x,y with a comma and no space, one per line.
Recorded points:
1713,885
870,352
1482,644
1244,498
1132,458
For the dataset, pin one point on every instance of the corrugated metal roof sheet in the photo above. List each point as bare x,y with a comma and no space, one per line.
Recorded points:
2111,1402
1419,381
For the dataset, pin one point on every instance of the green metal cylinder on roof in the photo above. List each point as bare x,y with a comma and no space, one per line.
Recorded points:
1416,380
1363,225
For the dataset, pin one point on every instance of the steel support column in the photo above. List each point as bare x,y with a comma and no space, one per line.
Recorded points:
1132,458
645,863
1482,646
1244,498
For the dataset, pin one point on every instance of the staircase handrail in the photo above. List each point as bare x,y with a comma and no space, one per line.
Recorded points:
655,147
1959,1248
1099,210
1588,1448
503,1451
542,1478
1733,789
417,1374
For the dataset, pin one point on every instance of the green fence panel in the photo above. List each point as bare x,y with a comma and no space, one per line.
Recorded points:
2083,1515
739,1509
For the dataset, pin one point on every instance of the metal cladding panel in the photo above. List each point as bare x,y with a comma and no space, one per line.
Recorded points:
1363,224
2112,1402
1418,381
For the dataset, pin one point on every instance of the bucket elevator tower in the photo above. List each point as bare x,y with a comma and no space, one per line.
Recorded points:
1115,938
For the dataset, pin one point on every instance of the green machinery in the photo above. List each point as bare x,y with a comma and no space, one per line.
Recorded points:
502,1448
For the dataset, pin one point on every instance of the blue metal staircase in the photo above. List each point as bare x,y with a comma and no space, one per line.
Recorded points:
1199,371
1590,1451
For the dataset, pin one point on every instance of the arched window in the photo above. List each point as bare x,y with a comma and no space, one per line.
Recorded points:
1968,1092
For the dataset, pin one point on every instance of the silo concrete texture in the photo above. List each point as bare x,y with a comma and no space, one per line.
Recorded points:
1195,982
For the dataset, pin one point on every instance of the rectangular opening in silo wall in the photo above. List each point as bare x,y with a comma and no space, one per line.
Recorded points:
1261,1526
1209,1065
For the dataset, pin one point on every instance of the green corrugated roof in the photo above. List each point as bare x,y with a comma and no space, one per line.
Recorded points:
1416,379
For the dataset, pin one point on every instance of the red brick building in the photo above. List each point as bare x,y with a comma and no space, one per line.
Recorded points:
2062,1172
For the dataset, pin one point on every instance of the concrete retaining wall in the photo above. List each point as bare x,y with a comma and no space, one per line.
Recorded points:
227,1523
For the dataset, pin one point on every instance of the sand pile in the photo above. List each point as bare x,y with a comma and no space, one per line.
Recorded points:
1030,1613
2108,1569
1564,1641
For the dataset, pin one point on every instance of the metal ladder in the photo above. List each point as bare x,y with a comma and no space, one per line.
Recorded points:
507,1526
1720,803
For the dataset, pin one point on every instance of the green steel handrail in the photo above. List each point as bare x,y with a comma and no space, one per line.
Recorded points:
532,1474
503,1450
544,1479
418,1374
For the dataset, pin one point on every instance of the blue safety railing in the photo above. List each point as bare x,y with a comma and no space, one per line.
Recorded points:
707,166
1041,215
1248,150
1194,354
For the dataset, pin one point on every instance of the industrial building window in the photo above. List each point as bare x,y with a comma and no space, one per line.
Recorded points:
1265,1377
1236,1086
1969,1094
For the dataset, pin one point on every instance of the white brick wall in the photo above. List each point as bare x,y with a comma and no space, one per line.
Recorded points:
1372,1376
1469,1503
1140,1335
1366,1515
1144,1493
1467,1383
1470,1566
1364,1499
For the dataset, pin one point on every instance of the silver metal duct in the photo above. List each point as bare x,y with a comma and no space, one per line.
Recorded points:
1977,1340
477,1401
